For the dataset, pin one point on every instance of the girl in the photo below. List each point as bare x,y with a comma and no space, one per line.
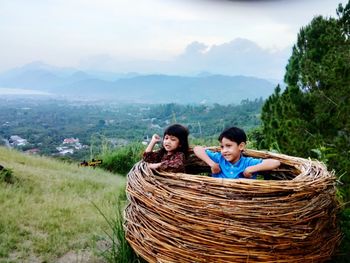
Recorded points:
171,157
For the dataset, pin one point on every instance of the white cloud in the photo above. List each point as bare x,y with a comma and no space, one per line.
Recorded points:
237,57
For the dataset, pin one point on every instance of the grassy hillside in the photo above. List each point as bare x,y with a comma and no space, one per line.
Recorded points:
47,215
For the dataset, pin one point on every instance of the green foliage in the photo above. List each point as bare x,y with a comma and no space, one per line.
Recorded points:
324,153
106,126
206,121
6,176
208,141
310,118
122,159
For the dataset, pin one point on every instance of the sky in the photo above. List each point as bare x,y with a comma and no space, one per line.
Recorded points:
156,36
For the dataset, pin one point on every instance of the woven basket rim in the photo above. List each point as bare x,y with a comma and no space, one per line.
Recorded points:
302,169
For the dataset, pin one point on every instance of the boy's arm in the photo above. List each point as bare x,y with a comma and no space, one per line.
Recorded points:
199,151
265,165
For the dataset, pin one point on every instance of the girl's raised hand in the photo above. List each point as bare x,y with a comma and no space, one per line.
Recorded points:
156,138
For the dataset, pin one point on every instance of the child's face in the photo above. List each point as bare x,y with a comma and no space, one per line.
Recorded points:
230,150
170,143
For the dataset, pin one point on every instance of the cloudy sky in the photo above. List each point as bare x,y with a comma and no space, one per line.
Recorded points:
156,36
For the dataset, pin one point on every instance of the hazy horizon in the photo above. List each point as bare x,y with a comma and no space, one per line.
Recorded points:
251,38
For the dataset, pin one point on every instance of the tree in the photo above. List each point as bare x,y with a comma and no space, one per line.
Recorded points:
313,111
311,116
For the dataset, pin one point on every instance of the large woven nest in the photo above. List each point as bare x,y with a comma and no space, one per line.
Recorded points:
288,217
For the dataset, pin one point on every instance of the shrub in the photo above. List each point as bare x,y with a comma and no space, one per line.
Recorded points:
6,175
122,160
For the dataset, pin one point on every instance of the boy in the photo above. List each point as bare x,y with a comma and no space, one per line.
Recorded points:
230,163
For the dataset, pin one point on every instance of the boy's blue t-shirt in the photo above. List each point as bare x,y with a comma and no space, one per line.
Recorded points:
229,170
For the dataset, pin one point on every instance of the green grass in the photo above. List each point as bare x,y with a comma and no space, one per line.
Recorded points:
119,250
48,212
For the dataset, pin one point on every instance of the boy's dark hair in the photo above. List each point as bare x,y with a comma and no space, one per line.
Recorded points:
180,132
234,134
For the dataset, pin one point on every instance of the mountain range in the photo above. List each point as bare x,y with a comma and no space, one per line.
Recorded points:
71,83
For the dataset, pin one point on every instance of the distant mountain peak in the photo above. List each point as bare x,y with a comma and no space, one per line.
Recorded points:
151,88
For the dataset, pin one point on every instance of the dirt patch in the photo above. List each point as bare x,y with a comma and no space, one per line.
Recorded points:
103,245
83,256
17,257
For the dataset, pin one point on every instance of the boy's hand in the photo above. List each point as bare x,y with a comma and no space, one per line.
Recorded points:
215,168
156,138
248,172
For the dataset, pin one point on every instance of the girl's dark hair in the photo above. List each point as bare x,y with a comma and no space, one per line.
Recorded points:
181,132
234,134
